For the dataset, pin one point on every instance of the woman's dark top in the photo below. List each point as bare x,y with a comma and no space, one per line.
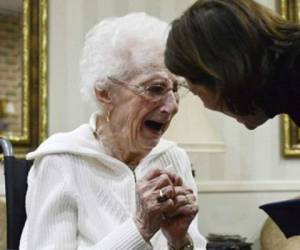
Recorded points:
282,94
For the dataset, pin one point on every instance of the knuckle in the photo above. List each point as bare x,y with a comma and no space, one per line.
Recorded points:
177,189
167,205
189,197
193,198
169,189
156,171
165,179
170,202
181,198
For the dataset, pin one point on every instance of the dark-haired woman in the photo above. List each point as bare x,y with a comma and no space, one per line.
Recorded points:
240,58
243,60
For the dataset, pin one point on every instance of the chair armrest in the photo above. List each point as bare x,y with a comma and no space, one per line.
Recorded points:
6,147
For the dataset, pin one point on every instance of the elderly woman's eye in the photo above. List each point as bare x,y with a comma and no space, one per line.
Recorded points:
156,89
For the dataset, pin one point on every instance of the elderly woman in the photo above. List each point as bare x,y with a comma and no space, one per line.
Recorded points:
114,183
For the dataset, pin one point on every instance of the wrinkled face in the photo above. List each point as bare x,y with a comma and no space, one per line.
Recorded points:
211,101
138,119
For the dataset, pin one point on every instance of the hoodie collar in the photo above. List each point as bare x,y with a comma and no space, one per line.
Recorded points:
82,142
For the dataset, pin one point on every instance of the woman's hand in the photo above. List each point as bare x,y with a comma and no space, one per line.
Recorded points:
150,212
177,221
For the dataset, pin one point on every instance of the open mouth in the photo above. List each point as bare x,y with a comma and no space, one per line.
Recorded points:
154,126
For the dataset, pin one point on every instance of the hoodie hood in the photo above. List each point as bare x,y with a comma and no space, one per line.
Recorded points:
82,142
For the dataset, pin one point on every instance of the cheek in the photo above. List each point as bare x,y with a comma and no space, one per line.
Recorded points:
124,115
136,112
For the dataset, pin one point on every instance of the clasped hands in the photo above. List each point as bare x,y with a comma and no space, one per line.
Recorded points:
164,202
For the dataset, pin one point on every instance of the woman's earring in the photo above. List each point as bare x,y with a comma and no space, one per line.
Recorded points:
108,116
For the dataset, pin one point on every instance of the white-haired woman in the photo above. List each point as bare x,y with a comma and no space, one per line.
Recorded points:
114,183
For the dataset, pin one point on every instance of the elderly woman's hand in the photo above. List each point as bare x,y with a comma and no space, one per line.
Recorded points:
177,221
150,211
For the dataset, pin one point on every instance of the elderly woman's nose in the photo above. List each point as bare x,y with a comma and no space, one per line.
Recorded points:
170,104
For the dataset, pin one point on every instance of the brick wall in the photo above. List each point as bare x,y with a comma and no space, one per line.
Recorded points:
11,71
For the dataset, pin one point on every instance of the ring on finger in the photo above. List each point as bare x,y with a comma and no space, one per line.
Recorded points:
161,197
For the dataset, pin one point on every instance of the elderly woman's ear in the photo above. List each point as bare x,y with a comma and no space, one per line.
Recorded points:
104,99
103,96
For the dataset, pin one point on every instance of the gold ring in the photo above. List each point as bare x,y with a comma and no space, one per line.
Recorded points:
162,197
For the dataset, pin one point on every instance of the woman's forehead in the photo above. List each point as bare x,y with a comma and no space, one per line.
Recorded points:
152,70
152,74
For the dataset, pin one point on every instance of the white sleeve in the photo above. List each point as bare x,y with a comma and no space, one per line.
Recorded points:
126,236
51,208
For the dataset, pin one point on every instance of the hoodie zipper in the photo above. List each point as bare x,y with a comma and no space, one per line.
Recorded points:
132,170
134,176
136,195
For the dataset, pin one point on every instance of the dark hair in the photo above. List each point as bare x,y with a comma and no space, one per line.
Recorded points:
229,46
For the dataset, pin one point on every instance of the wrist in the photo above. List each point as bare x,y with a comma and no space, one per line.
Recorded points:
185,244
143,231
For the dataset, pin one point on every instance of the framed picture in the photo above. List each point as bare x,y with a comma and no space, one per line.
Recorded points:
290,9
23,77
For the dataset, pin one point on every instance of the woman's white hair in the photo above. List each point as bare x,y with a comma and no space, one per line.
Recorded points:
117,46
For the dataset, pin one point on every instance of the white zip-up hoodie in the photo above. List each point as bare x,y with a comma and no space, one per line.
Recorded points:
81,198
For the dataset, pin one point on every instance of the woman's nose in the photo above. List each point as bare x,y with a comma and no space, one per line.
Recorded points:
170,103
